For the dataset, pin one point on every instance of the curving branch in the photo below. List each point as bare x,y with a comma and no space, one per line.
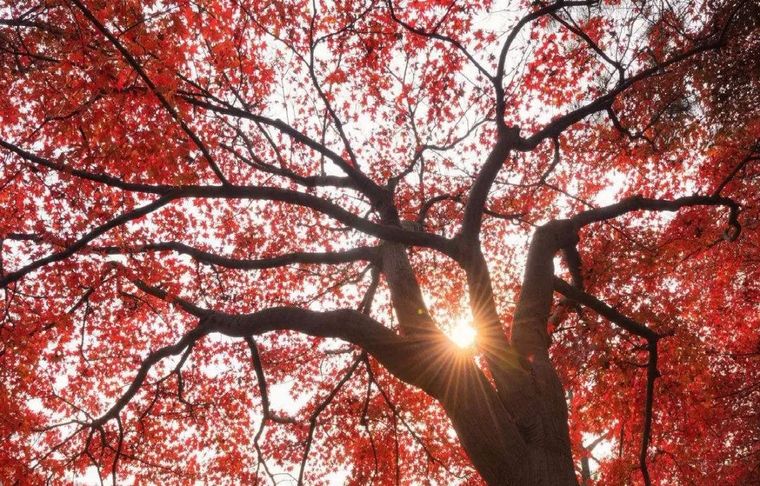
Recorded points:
398,354
576,293
153,88
385,232
652,375
752,155
405,357
435,35
611,314
431,364
573,27
376,193
267,414
261,380
142,373
421,362
363,253
604,102
638,329
498,78
84,240
82,174
323,96
256,162
472,219
639,203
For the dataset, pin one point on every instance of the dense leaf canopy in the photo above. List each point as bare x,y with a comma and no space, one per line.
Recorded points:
235,233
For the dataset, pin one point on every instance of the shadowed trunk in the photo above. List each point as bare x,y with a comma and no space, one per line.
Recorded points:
515,429
549,442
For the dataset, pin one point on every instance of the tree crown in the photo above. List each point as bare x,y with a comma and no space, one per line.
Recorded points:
236,236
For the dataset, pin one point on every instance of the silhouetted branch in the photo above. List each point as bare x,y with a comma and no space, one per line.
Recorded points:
603,309
652,375
153,88
318,258
638,203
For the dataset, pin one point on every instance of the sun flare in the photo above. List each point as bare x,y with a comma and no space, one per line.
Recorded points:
462,333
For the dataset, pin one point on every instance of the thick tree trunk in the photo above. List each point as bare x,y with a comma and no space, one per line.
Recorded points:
504,452
527,409
514,428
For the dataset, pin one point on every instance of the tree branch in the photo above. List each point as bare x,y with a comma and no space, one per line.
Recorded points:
614,316
320,408
90,176
652,375
753,155
154,357
306,181
153,88
346,256
556,127
87,238
408,358
638,203
385,232
366,185
498,78
472,219
434,35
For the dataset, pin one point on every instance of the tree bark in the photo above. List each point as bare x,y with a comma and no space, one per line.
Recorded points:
514,425
527,407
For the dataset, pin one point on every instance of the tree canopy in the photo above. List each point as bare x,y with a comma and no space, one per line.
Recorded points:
248,242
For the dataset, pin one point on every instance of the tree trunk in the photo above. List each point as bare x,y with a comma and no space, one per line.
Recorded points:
517,433
503,451
513,427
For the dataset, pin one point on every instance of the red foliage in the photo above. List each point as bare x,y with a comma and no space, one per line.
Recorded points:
160,157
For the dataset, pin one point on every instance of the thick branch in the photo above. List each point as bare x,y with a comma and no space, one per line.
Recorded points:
406,295
638,203
399,355
476,203
529,333
408,358
326,258
32,24
433,365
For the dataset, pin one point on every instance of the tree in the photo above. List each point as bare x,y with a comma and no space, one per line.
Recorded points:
210,208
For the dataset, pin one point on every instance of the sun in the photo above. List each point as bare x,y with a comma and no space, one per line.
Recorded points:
462,333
